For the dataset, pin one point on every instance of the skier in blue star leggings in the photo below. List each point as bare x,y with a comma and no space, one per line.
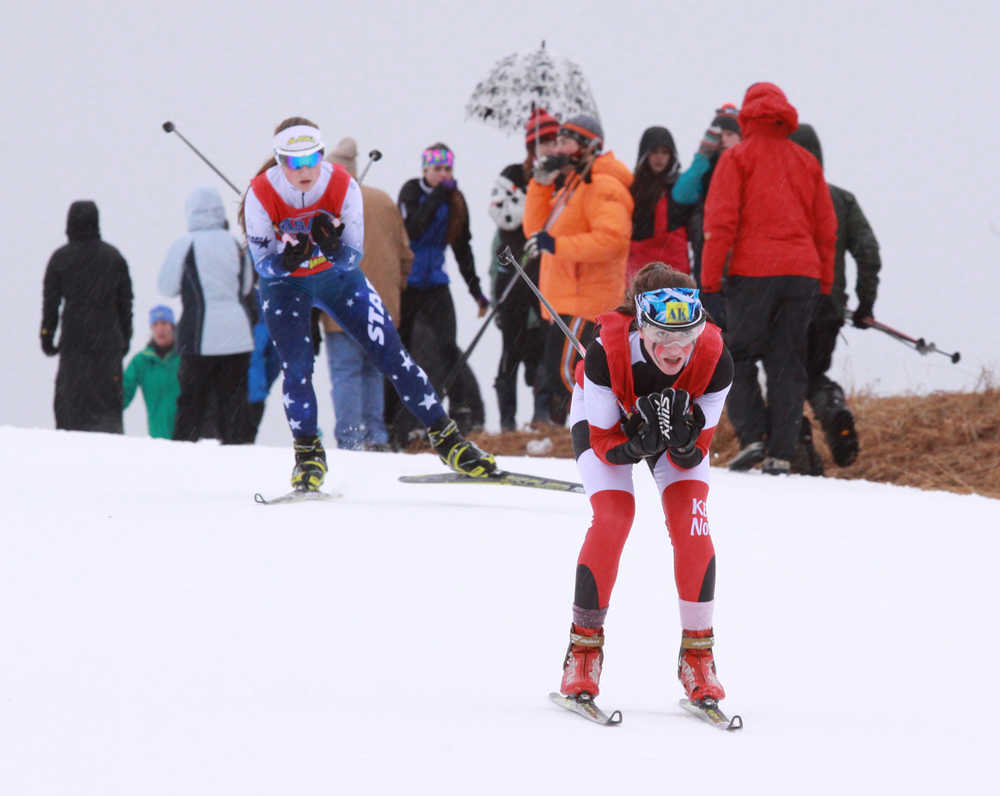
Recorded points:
303,220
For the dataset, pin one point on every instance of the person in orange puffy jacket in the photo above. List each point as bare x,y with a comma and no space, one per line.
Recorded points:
769,215
584,247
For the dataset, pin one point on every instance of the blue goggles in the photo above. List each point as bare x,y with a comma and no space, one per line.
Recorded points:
296,162
673,309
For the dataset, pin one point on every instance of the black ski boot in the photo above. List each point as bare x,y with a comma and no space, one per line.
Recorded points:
310,464
457,452
830,407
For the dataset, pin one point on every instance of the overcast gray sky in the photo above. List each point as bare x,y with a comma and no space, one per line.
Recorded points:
901,93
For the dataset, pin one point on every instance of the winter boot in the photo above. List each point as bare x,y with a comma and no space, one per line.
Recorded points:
584,658
806,459
457,452
830,407
748,457
775,466
842,438
310,464
696,666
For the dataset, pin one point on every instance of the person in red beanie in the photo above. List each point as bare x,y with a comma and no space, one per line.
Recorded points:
770,217
519,315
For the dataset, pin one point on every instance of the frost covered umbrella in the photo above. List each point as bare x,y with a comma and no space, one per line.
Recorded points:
521,82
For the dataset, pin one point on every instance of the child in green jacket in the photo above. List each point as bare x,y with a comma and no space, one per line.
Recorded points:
154,369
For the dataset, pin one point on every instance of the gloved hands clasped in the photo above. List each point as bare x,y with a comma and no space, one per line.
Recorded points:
671,422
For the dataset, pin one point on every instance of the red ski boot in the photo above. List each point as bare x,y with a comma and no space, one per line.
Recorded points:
696,666
582,667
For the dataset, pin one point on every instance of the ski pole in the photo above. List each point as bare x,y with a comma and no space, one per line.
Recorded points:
168,127
373,156
475,340
919,344
508,256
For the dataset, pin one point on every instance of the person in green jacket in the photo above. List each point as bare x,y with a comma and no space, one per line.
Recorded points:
154,370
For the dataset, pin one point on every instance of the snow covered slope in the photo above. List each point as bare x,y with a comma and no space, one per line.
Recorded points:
162,634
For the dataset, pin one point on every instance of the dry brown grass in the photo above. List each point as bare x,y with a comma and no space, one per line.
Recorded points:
947,441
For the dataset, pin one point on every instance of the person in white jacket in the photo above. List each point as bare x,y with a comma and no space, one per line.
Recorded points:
213,275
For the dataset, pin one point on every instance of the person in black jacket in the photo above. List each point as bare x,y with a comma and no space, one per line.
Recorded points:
518,315
436,217
90,279
854,235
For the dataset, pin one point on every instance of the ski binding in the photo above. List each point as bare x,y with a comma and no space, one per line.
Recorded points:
708,710
295,496
584,705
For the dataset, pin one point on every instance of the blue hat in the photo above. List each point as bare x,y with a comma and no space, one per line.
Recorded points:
670,308
161,312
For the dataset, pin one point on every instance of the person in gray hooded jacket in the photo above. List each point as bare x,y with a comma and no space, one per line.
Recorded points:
212,273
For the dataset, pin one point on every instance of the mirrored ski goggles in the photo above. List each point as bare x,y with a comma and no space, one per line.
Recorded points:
674,309
296,162
667,337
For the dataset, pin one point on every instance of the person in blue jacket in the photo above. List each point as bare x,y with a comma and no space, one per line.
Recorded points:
436,217
304,224
691,189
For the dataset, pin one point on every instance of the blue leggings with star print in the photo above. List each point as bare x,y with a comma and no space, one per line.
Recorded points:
348,297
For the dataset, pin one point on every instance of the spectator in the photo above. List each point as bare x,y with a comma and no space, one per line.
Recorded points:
691,189
212,274
519,315
659,231
358,391
437,216
651,390
770,216
154,371
585,249
90,279
303,218
854,235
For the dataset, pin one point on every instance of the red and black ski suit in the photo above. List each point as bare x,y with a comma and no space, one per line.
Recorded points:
616,370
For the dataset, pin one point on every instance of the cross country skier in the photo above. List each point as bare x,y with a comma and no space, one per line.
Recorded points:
303,220
659,357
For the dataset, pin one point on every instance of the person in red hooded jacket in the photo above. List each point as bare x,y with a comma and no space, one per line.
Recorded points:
769,216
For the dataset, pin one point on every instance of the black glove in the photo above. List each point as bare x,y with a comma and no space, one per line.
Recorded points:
681,420
449,184
863,315
547,169
539,242
648,439
48,346
296,252
326,235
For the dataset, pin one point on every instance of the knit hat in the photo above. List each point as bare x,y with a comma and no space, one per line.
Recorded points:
437,155
585,129
727,118
161,312
346,154
542,124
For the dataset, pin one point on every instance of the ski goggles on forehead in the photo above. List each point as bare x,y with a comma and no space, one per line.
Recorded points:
676,310
296,162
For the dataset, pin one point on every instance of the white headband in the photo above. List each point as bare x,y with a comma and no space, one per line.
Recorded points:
302,139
